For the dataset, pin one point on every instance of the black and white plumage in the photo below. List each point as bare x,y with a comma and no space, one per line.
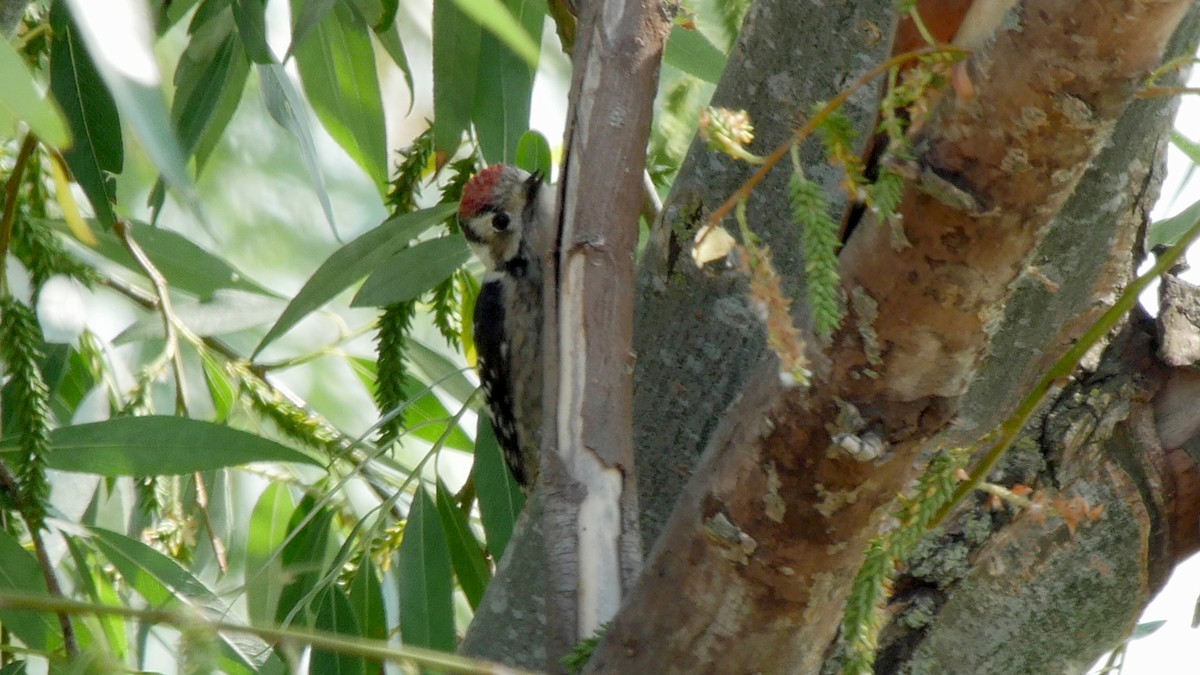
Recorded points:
505,216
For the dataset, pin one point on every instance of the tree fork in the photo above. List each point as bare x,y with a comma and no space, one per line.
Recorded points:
755,588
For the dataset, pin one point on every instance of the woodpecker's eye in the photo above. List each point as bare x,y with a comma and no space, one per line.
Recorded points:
500,221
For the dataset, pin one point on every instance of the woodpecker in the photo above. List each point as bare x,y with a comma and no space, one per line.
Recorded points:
505,215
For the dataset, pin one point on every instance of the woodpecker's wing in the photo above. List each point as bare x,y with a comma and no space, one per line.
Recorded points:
495,373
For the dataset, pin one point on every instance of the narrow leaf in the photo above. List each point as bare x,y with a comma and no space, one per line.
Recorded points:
97,154
413,271
533,153
186,266
336,615
337,68
20,100
20,573
118,37
352,262
264,566
500,498
423,574
465,552
691,52
226,312
157,445
505,86
456,49
283,102
494,16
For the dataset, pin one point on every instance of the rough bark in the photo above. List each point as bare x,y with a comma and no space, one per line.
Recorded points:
992,172
1032,592
706,340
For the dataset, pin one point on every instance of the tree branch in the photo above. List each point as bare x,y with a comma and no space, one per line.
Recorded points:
587,479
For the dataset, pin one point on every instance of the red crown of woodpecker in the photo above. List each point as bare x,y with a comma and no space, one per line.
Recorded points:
479,191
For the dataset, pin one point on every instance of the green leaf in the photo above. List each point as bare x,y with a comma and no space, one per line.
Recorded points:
352,262
20,100
157,445
128,66
97,153
304,560
250,16
424,415
283,102
264,566
533,153
308,15
423,575
466,554
366,597
500,498
505,85
220,389
334,614
691,52
456,50
20,573
337,68
209,81
1168,230
494,16
1146,629
225,313
413,271
99,589
440,371
186,266
390,39
162,582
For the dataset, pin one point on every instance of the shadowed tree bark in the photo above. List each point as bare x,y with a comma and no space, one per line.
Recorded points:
1017,246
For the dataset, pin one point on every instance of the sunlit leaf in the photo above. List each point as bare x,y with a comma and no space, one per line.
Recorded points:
352,262
494,16
413,271
533,153
424,579
456,45
20,100
20,573
156,445
337,68
186,266
264,566
129,68
97,153
221,389
441,371
162,582
502,99
1168,230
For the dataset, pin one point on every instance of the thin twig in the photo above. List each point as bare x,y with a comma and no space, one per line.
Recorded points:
9,482
124,232
189,622
815,121
11,188
214,539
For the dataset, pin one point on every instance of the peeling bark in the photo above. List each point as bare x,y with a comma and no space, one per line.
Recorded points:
992,173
